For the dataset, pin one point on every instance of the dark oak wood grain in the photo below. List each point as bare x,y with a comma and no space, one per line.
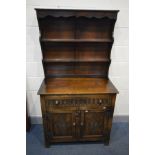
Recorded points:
77,86
77,97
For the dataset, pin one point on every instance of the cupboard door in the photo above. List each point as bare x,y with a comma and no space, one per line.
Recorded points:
61,125
92,124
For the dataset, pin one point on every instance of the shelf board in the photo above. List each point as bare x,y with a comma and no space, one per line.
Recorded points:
76,60
75,76
76,40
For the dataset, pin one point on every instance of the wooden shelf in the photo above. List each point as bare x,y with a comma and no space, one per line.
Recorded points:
76,76
77,40
75,60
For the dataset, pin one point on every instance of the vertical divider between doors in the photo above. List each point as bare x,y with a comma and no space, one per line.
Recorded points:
82,123
74,121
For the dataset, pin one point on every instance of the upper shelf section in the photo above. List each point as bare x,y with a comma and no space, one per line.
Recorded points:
76,26
76,43
111,14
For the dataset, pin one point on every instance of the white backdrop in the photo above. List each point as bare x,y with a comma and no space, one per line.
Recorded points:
118,72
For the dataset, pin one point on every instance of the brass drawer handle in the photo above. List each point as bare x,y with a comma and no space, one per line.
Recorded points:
57,102
104,108
86,110
74,123
100,101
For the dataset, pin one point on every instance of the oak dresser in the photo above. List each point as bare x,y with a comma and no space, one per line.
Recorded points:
77,97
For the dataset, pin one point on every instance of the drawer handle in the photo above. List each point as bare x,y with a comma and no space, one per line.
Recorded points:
104,108
81,123
56,102
74,123
86,110
100,101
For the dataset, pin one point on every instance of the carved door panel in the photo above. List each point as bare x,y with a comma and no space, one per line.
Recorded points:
92,124
61,125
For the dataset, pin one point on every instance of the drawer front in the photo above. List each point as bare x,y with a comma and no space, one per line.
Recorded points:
94,101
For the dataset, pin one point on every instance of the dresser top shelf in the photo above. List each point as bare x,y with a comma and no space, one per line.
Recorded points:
56,86
111,14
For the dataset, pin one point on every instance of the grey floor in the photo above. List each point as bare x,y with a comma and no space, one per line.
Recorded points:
119,144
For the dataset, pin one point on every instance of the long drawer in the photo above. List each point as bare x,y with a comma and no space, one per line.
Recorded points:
94,101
